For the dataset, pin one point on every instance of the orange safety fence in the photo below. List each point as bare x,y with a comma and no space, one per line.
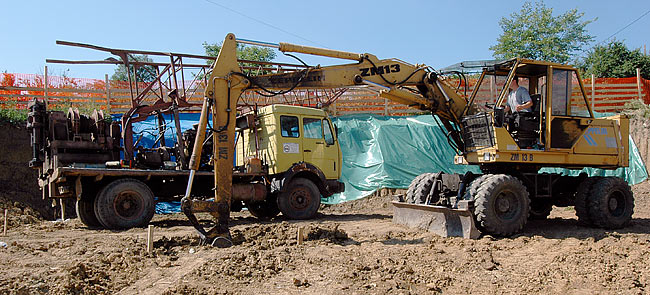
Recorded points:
611,94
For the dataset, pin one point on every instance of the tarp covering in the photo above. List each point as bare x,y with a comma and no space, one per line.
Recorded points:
388,152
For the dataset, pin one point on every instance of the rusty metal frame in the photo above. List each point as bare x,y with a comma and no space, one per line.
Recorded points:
165,81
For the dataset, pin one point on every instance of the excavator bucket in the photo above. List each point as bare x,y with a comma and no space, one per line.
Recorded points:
443,221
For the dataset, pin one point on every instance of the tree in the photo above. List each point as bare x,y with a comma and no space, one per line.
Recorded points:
243,52
536,34
143,73
615,60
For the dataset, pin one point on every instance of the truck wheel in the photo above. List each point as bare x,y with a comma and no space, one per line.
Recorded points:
581,200
611,203
266,209
410,193
85,209
300,200
501,205
124,203
540,209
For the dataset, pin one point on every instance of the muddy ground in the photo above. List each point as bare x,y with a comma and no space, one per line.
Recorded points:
350,248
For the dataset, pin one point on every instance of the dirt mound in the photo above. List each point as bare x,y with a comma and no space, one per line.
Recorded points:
18,182
18,213
375,203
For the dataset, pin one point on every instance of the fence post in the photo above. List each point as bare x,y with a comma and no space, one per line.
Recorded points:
593,92
638,83
385,107
108,95
45,89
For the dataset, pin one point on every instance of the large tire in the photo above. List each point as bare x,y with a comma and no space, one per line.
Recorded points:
265,209
300,199
581,204
472,189
501,206
423,188
125,203
611,203
85,209
410,193
540,209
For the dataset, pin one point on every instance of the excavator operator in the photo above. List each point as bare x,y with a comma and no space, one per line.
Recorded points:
519,98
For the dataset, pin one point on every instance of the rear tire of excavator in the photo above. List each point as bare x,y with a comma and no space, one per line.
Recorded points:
85,209
501,206
300,200
410,193
265,209
125,203
611,203
581,205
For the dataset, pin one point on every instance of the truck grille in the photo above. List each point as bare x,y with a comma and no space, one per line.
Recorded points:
477,132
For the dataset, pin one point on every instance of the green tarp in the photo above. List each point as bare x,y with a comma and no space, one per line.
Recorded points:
388,152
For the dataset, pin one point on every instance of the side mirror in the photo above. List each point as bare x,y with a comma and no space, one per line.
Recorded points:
499,116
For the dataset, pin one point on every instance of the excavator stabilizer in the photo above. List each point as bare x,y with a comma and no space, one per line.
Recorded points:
439,220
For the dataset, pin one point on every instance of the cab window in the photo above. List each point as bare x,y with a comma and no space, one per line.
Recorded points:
561,85
327,131
312,128
289,126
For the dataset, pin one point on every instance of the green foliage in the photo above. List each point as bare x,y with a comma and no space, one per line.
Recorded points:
535,33
637,109
243,52
615,60
143,74
13,116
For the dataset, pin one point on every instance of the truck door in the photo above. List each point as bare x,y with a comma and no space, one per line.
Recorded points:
289,143
319,148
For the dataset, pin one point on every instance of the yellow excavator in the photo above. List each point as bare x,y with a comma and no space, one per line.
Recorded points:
559,130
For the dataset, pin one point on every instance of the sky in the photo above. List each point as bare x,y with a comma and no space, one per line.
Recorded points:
435,33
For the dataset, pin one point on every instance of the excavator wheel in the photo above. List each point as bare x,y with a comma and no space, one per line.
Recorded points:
581,200
265,209
410,193
540,209
611,203
470,192
501,206
423,189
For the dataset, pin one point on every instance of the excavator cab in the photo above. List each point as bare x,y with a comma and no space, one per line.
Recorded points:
550,86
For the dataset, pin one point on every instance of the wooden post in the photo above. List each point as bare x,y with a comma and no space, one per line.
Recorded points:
45,94
593,92
108,95
301,232
62,209
150,238
638,83
5,227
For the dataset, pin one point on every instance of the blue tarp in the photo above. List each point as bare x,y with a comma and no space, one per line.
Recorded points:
387,152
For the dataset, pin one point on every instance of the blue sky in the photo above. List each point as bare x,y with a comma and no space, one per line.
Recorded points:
436,33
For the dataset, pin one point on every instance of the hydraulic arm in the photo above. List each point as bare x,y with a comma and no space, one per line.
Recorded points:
413,85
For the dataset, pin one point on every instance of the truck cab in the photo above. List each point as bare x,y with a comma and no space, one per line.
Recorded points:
298,154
